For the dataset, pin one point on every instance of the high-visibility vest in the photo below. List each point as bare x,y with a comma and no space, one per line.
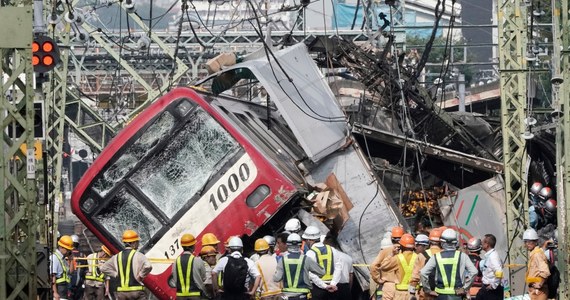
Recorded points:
64,275
428,251
408,269
93,273
325,259
447,285
184,276
293,264
126,276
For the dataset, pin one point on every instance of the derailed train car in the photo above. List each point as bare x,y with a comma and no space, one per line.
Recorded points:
200,161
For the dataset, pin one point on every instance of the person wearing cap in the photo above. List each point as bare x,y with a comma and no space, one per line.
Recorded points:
328,258
492,269
208,255
60,268
129,262
235,245
267,265
96,284
422,242
537,269
454,271
383,277
294,270
407,268
188,272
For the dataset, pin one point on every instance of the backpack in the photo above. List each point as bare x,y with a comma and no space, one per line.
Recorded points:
235,274
553,281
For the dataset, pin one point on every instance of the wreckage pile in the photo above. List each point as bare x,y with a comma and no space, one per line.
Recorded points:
421,202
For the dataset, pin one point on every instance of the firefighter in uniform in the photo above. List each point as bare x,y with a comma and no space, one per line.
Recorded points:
60,268
407,268
294,270
189,272
325,286
130,266
384,278
538,270
96,285
266,264
454,271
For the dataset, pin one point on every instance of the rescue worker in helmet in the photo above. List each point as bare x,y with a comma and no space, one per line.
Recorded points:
209,239
96,283
538,270
208,255
132,263
547,214
267,265
77,270
454,271
407,268
189,272
474,247
422,242
294,270
328,258
60,268
293,225
534,203
237,272
385,279
434,248
254,257
271,242
375,288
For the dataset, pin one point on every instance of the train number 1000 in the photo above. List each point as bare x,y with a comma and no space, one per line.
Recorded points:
222,192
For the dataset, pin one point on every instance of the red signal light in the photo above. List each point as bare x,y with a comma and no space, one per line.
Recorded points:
45,54
47,60
35,60
35,47
47,46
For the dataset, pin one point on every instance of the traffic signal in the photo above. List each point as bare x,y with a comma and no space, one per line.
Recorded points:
45,54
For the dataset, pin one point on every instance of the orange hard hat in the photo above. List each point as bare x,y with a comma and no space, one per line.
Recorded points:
261,245
407,241
208,250
187,240
106,250
397,232
435,235
209,239
130,236
443,228
65,242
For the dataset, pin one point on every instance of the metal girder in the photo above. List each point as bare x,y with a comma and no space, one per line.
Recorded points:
512,29
18,207
561,89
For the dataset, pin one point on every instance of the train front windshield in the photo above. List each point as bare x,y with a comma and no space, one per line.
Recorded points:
151,182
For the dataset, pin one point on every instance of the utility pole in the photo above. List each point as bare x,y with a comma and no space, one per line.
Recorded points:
18,207
512,45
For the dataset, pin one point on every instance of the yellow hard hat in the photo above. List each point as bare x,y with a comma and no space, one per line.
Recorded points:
208,250
261,245
209,239
130,236
187,240
66,242
106,250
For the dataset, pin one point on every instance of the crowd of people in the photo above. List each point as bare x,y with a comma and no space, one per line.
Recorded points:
305,264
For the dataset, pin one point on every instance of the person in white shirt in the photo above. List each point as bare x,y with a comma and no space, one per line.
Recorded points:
324,287
492,271
235,245
346,276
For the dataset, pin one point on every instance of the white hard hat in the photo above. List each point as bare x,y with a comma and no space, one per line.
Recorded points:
293,225
312,233
235,243
530,235
449,236
535,188
270,240
474,244
293,239
385,243
75,238
422,239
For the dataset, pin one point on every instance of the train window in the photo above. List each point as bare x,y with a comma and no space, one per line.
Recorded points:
126,212
134,153
258,195
170,178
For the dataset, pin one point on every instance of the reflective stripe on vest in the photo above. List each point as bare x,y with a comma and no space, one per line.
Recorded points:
448,286
64,276
292,284
428,251
221,279
408,269
127,279
328,257
183,284
93,264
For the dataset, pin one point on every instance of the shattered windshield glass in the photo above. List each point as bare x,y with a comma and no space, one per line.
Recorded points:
125,212
172,176
134,153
